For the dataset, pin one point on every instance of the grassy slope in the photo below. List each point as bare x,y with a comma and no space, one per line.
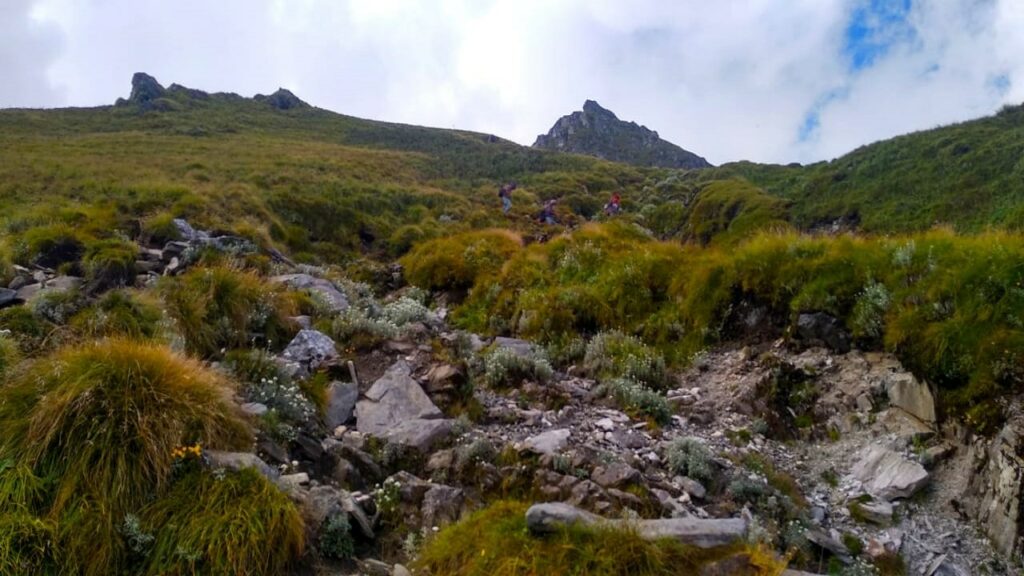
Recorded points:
968,175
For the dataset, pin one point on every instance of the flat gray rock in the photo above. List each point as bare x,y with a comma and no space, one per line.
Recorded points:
334,299
913,396
888,475
550,442
419,434
395,398
9,298
703,533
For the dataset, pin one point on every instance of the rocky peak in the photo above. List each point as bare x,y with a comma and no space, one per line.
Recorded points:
282,100
145,88
597,131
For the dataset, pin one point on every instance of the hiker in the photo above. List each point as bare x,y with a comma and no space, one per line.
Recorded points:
547,213
614,206
505,193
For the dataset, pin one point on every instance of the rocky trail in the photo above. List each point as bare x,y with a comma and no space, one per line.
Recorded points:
838,456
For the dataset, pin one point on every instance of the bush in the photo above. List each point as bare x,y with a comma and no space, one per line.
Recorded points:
637,400
457,262
690,457
336,537
613,354
100,422
357,329
120,313
219,307
264,383
25,327
405,311
503,367
233,523
110,264
496,541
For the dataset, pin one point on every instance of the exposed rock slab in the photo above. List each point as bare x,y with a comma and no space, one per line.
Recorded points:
888,475
341,403
397,409
328,293
703,533
912,396
993,496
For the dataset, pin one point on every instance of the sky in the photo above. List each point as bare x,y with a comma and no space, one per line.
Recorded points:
761,80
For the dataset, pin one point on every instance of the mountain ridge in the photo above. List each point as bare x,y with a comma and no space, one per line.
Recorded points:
597,131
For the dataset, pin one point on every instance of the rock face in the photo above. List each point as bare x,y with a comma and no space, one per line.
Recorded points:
282,100
546,518
888,475
145,89
913,397
596,131
821,328
993,496
397,409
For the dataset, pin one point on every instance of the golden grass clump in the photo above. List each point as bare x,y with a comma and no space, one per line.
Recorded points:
236,524
99,423
219,307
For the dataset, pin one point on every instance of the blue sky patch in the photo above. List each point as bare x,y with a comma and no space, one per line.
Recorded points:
874,27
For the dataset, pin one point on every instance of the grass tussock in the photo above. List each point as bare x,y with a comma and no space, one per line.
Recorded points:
238,523
496,542
99,423
219,307
125,313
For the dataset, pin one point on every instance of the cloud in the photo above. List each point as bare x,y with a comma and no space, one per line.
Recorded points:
27,48
766,80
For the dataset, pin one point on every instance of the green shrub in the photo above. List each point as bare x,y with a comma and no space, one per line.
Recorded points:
690,457
503,368
101,421
457,262
613,354
233,523
637,400
263,382
336,537
222,308
110,263
357,329
495,541
159,229
25,326
120,313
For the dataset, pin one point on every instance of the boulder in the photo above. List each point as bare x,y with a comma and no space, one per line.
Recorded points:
818,327
692,487
548,443
341,403
310,349
703,533
912,396
324,290
397,409
878,512
9,298
888,475
441,505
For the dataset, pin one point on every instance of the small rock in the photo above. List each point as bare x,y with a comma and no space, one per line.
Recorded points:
692,487
879,512
888,475
254,408
293,481
615,475
238,461
311,350
341,403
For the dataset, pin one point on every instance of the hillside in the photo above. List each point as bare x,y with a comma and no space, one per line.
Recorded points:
251,336
595,131
969,176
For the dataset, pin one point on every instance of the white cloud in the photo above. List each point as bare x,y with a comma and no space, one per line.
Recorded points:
728,80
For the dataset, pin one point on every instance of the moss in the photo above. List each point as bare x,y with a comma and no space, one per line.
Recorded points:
101,421
233,523
495,541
